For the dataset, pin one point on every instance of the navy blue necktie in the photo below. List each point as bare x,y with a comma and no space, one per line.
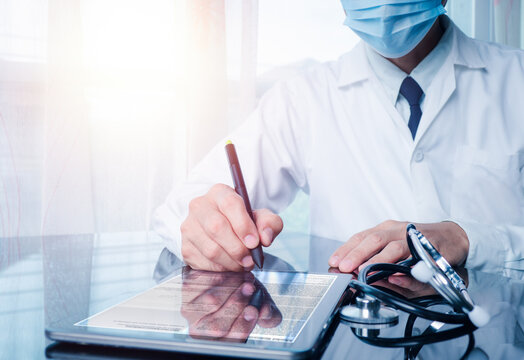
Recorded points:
411,90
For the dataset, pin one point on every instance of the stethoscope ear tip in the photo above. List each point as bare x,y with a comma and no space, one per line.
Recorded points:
421,272
478,316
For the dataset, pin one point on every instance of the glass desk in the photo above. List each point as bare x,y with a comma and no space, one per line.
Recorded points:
46,277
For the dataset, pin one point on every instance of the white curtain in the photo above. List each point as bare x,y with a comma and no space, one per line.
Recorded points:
105,103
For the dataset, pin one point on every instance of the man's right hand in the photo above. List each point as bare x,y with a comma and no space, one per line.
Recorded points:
218,232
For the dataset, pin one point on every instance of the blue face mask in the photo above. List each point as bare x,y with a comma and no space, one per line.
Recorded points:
392,27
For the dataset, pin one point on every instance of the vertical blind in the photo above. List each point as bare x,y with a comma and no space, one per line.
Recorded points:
499,21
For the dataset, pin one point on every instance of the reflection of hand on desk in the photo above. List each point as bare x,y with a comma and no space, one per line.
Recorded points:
401,284
406,286
410,287
226,306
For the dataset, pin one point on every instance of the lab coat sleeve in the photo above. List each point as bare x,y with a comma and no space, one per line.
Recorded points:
494,248
271,151
497,246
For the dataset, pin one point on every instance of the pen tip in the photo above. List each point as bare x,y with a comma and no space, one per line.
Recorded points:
228,142
258,263
258,256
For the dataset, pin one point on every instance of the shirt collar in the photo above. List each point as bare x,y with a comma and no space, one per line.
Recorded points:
388,74
391,77
355,65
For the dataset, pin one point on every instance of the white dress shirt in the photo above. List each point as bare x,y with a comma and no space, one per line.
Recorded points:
335,134
391,77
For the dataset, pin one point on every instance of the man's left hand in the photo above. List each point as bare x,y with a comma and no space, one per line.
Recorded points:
386,243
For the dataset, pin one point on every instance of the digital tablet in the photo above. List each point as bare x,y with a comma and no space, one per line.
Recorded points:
263,314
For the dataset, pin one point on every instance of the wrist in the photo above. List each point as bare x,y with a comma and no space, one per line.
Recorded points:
449,239
461,240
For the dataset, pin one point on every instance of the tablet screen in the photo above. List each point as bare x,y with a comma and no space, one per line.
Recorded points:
263,305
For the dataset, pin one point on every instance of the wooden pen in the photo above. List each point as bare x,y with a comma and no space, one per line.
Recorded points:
240,188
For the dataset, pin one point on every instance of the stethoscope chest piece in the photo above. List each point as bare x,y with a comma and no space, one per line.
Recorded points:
367,316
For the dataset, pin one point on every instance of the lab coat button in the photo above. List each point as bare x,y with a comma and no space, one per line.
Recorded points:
419,156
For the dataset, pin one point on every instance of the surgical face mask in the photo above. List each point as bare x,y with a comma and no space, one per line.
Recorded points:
392,27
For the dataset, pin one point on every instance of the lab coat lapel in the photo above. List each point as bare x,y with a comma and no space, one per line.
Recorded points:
438,94
463,53
402,129
360,70
430,209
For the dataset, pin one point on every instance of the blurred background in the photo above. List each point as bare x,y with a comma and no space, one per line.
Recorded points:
104,104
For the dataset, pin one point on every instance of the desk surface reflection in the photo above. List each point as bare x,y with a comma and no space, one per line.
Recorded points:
83,274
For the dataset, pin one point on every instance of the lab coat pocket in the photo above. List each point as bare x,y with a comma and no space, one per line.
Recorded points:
486,187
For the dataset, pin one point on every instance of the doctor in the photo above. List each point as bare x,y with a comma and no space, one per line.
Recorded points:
417,123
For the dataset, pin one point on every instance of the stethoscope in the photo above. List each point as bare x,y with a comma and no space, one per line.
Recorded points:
376,308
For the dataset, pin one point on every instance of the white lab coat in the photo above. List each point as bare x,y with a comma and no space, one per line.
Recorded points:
333,133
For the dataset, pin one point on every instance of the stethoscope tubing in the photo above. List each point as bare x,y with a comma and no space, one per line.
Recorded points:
417,339
409,306
418,307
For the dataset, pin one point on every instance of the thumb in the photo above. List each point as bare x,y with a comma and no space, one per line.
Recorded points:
269,225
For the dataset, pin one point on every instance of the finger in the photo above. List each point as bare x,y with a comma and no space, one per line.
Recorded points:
232,206
396,228
200,278
269,225
270,316
392,253
347,247
212,251
218,228
212,288
194,252
399,227
368,247
397,289
213,291
197,294
192,309
192,276
244,324
197,260
219,323
207,280
200,298
407,282
212,300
